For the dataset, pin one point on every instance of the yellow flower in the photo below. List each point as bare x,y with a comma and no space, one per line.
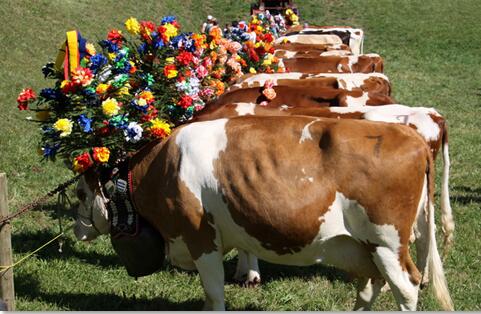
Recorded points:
90,49
170,31
142,102
64,126
102,88
285,40
124,90
267,62
147,95
252,70
110,107
170,60
159,128
101,154
213,45
132,26
112,56
172,73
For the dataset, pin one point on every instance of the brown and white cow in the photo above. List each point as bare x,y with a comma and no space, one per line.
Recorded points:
293,50
367,63
324,39
354,37
350,89
292,190
426,121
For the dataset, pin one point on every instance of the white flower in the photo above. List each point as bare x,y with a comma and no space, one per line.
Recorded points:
133,133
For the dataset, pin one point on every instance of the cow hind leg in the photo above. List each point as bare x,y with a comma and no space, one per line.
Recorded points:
404,283
211,271
367,292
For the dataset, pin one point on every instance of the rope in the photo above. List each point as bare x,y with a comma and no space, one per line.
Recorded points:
43,199
4,269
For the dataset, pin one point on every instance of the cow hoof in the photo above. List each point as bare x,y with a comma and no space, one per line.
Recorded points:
385,288
252,283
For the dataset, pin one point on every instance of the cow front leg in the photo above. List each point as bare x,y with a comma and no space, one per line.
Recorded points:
367,292
247,270
211,271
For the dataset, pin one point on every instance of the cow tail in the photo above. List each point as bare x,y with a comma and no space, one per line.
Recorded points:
447,213
436,272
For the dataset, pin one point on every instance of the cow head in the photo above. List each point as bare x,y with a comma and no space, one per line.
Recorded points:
92,214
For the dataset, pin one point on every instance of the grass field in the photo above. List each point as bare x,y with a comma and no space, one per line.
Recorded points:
432,52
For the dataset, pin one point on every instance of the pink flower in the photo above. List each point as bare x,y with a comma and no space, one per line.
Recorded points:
82,76
201,72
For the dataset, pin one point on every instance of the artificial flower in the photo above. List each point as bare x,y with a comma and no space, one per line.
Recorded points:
82,162
90,49
26,96
132,26
64,126
133,132
102,88
82,76
170,71
159,128
101,154
110,107
85,123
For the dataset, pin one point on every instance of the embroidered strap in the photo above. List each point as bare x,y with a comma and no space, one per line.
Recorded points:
124,219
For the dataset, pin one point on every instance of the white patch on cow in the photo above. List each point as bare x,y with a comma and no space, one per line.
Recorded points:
416,116
200,144
245,108
395,113
356,41
357,101
287,54
306,134
336,53
351,61
311,39
284,107
178,254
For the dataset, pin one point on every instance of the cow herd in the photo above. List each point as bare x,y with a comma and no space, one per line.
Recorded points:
316,165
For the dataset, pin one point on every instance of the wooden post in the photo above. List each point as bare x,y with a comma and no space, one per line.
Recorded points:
6,280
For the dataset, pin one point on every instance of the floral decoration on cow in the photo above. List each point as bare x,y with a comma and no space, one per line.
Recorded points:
141,84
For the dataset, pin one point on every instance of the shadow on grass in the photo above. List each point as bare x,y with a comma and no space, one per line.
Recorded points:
466,195
28,288
272,272
28,242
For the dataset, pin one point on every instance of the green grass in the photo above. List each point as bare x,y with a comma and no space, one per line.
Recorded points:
432,56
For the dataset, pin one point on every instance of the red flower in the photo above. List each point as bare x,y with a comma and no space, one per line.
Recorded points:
185,58
26,95
82,162
170,70
253,55
152,114
268,38
185,101
115,36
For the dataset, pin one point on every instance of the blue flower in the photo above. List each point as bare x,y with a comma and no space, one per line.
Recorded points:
168,19
50,93
142,48
85,123
140,106
50,151
97,61
110,46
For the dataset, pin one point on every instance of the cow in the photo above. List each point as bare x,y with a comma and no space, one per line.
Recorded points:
290,50
368,82
333,89
292,190
426,121
309,39
353,37
367,63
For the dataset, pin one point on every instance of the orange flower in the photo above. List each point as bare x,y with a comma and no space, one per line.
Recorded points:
101,154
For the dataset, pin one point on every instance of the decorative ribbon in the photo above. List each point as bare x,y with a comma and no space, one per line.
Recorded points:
70,53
